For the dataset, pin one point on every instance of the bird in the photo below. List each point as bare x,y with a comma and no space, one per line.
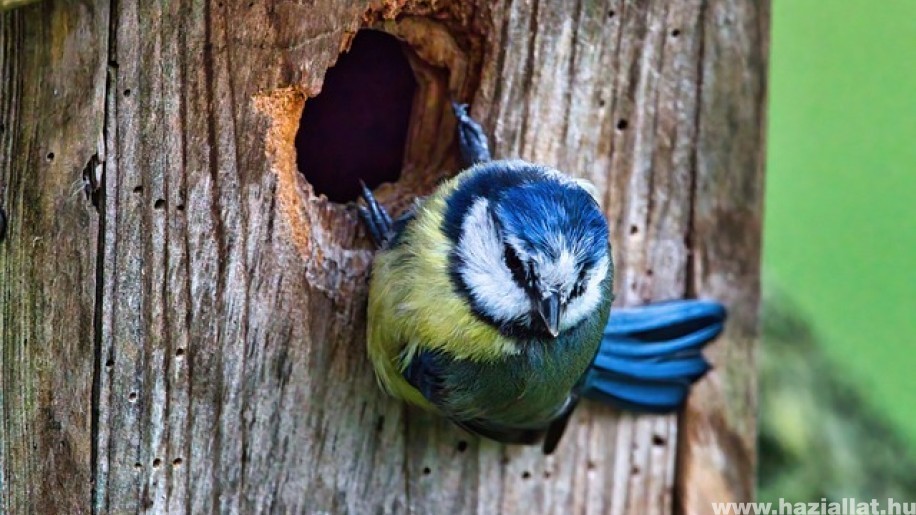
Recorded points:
490,304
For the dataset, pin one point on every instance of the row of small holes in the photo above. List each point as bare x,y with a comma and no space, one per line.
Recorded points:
179,353
525,474
158,463
160,203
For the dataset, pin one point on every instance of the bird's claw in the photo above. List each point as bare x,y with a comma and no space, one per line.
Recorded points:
376,219
471,139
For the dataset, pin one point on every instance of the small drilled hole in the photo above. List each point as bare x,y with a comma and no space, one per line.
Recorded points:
650,272
590,465
622,124
132,396
426,471
138,466
127,92
601,102
50,156
611,13
159,204
462,446
179,352
634,229
180,207
380,424
658,440
675,33
357,127
634,471
526,475
109,363
113,63
157,463
138,189
176,462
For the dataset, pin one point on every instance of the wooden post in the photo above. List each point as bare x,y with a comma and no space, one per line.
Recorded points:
194,343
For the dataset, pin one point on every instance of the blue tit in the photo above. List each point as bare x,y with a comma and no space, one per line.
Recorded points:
489,304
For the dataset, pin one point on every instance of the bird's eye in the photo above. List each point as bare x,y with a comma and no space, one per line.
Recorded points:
579,288
519,271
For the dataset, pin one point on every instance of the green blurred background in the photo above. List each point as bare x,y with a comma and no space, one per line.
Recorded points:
840,250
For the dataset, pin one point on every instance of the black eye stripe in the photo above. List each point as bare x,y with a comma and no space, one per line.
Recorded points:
579,288
516,266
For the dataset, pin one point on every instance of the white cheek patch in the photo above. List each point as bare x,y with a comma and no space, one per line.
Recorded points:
586,303
484,271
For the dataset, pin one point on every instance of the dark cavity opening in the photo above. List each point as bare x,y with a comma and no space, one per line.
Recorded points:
356,128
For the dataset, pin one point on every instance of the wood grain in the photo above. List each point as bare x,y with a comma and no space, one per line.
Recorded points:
195,344
52,85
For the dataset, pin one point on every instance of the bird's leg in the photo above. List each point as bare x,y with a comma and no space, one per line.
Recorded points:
376,219
471,139
651,355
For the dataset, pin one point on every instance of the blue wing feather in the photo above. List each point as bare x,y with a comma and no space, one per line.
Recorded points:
650,356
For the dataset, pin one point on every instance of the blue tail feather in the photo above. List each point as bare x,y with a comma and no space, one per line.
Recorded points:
690,368
640,397
651,355
635,348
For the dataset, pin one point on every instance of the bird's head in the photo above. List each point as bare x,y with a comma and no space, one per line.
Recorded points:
532,253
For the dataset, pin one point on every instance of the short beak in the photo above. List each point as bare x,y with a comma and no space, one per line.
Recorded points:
549,309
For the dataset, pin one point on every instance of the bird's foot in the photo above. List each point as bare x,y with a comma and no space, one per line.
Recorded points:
651,355
376,219
471,139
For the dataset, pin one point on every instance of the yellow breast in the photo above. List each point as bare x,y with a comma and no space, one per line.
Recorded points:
413,306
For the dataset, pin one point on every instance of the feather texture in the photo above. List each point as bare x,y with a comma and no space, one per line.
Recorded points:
432,349
651,355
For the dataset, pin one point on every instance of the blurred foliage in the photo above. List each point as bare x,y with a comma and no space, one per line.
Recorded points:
840,217
819,435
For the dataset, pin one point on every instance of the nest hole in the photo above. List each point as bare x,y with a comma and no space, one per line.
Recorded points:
356,128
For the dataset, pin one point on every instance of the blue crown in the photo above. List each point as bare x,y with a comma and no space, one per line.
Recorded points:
537,212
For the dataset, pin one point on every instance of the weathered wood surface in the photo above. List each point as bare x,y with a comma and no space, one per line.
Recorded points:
196,345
